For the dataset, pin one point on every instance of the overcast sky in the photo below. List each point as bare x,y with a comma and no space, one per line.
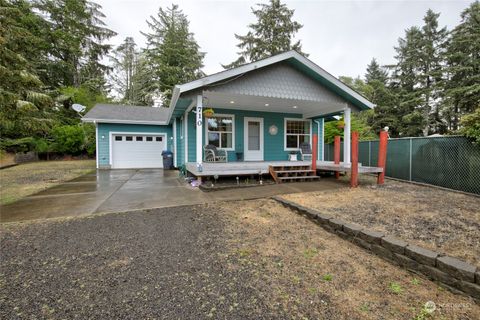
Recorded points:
340,36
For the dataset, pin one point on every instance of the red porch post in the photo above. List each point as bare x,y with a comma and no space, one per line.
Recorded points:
336,154
314,152
354,167
382,155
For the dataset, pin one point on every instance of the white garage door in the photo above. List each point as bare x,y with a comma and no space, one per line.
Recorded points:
138,151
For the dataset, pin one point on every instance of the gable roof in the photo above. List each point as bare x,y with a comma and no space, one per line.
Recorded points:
114,113
294,59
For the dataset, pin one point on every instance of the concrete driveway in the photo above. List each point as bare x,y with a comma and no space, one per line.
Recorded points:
127,190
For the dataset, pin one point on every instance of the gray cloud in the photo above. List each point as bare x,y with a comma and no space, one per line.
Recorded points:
340,36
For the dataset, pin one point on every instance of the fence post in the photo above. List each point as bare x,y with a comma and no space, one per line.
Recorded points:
382,155
336,154
354,166
410,162
369,153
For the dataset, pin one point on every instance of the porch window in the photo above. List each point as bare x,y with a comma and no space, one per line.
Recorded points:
296,132
220,131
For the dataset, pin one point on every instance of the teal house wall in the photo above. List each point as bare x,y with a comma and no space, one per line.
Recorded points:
273,144
103,137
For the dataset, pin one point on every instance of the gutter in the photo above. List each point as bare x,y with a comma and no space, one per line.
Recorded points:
94,120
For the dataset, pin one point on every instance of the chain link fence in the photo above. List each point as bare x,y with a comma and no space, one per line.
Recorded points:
451,162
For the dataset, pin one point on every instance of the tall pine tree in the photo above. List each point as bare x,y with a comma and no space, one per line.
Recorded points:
173,56
462,88
273,33
76,36
24,106
124,65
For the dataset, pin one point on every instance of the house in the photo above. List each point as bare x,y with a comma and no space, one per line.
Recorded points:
262,112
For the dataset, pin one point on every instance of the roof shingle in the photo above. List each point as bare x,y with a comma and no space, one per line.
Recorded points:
119,113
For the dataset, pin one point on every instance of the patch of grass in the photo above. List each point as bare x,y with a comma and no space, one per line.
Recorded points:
29,178
310,253
327,277
395,288
365,307
416,282
244,253
296,279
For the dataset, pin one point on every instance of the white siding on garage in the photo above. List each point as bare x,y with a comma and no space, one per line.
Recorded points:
138,150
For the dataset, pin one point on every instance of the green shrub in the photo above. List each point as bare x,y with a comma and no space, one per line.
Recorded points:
68,139
471,125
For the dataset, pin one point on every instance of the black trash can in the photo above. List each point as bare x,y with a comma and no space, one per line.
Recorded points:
167,159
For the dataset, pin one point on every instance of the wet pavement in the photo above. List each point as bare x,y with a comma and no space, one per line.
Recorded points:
127,190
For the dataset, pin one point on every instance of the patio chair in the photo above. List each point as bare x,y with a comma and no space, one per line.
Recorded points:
212,154
305,151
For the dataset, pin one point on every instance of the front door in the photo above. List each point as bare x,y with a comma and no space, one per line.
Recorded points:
253,139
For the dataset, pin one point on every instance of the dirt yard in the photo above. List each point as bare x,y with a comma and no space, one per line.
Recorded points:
238,260
312,274
439,220
25,179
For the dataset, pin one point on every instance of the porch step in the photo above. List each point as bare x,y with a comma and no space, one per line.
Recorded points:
290,173
299,178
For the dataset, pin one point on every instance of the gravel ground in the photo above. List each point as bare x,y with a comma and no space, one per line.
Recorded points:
440,220
236,260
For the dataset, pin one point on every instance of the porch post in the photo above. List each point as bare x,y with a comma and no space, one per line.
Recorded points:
346,135
199,125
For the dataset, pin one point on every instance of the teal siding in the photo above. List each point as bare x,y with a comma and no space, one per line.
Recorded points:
180,152
103,137
320,137
273,145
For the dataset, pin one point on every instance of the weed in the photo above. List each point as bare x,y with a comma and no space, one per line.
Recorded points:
365,307
310,253
327,277
296,279
395,288
415,281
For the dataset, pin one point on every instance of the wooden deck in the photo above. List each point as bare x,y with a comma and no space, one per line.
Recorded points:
261,167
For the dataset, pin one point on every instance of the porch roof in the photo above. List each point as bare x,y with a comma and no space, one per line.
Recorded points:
336,95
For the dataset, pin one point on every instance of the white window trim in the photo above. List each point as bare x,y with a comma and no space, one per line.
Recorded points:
127,133
233,130
285,132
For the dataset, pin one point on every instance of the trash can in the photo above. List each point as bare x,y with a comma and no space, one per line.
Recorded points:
167,159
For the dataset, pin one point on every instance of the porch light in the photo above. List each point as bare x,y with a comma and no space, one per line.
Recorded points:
232,102
266,104
294,107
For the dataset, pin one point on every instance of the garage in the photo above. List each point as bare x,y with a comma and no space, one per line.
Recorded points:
138,150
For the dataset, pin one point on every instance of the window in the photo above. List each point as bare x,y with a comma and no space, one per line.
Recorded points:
158,139
118,138
149,138
128,138
296,132
139,138
220,130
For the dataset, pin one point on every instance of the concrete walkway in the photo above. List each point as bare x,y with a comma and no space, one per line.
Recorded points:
127,190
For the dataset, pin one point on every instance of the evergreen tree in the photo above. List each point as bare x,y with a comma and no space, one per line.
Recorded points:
463,66
125,61
417,76
273,33
172,54
76,37
376,73
25,107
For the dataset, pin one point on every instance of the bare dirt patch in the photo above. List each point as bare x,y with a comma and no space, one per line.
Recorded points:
25,179
444,221
308,273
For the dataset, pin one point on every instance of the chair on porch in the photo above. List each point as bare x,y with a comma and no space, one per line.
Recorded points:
212,154
305,151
